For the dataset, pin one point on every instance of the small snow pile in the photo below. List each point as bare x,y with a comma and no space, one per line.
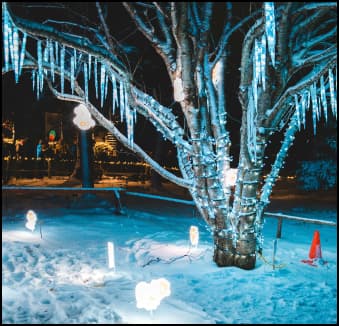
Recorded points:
149,295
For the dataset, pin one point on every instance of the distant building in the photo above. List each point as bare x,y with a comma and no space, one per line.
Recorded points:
8,132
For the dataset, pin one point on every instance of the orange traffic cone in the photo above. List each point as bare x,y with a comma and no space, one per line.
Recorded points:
315,250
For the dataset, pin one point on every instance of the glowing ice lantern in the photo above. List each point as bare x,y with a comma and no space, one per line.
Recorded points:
83,118
194,236
31,220
149,295
110,250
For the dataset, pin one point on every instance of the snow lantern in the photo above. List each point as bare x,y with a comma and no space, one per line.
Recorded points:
149,295
31,220
194,235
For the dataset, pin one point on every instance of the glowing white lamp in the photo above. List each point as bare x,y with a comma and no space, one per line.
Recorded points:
194,235
179,94
149,295
83,118
31,220
230,176
110,250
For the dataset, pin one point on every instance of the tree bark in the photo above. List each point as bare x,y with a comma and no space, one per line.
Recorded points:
241,255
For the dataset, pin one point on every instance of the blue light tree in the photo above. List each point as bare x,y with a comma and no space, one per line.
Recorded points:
288,70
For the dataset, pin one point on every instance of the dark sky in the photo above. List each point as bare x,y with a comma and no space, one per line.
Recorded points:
146,64
26,107
19,102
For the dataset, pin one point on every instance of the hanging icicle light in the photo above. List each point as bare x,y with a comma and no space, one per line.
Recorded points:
251,126
115,101
62,67
6,31
51,58
96,76
86,81
270,29
332,93
102,84
323,96
22,53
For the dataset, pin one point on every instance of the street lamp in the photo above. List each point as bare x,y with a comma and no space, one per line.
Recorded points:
84,122
83,119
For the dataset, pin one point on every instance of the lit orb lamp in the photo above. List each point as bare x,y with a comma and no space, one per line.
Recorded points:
230,176
194,236
83,118
149,295
31,220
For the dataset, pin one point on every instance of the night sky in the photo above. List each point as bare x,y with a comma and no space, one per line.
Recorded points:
20,104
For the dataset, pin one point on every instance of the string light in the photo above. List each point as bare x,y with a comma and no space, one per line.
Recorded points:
203,158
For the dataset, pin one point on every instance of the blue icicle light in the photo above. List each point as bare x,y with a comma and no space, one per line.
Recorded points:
270,29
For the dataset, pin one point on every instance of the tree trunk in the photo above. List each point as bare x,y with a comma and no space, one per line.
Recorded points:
233,220
241,255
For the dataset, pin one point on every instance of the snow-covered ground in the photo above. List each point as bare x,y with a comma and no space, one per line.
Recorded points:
63,276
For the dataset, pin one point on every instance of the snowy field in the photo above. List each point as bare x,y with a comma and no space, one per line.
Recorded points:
63,277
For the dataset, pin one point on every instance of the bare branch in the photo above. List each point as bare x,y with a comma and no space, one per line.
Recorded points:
276,166
29,64
161,117
163,48
82,44
108,36
160,9
299,58
246,63
227,33
318,56
316,6
275,114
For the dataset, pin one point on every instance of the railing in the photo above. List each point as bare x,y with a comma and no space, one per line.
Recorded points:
279,216
126,168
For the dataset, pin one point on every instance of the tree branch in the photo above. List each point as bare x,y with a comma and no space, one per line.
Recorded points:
114,46
246,64
164,49
279,160
227,33
279,109
107,124
161,117
82,44
298,59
